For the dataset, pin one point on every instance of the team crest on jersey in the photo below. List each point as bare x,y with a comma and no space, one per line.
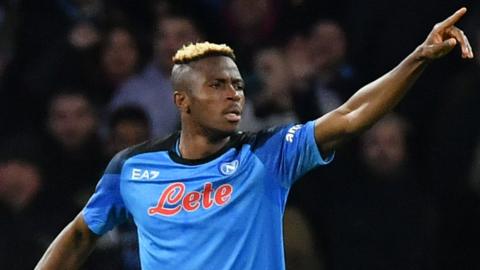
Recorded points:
228,168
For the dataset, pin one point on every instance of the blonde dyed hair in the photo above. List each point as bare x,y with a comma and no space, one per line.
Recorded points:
195,51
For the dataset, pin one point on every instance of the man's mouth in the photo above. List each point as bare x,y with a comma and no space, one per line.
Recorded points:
233,114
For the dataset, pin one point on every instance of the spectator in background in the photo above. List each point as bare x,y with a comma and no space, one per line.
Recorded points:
128,126
20,183
119,59
329,51
250,24
28,222
330,79
384,149
74,157
381,218
319,81
268,105
51,36
372,212
394,214
56,43
268,102
151,89
297,53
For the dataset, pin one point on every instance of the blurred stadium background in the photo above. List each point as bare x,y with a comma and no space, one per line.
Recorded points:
83,79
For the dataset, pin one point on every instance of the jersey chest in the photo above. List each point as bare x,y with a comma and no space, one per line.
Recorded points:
161,194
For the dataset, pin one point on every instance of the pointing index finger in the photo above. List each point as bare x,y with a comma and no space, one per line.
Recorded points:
450,21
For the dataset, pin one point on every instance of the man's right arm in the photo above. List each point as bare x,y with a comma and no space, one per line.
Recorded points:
71,247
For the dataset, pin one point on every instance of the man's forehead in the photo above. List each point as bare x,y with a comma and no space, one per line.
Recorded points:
218,66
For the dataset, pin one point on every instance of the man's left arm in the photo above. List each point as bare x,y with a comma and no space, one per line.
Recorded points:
377,98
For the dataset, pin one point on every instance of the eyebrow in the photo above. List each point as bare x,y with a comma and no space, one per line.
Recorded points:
223,80
236,80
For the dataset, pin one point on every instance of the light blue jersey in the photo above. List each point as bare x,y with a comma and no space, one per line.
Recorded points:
221,212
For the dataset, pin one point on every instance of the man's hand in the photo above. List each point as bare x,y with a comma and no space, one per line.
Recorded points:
443,38
377,98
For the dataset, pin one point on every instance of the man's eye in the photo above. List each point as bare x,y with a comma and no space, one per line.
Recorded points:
239,87
215,85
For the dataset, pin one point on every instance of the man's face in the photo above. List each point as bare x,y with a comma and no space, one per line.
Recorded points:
120,55
172,34
384,147
19,183
128,133
71,120
216,98
328,45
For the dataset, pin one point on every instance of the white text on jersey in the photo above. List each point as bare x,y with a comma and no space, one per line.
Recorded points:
139,174
291,133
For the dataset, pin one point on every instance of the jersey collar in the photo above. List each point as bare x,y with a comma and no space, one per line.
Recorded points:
235,141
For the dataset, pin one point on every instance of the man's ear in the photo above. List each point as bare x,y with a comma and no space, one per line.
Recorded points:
181,100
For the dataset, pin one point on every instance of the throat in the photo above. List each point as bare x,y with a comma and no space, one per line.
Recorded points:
199,147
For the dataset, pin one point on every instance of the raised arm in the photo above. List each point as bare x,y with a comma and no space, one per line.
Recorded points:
70,248
377,98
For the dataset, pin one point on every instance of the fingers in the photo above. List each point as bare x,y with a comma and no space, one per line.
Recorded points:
450,21
438,50
458,34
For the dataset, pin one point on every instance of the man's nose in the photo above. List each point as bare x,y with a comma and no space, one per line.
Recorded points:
233,93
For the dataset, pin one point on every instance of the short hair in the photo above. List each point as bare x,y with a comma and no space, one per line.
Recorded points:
130,113
199,50
70,91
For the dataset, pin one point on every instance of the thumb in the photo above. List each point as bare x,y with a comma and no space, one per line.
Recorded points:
441,49
445,46
449,43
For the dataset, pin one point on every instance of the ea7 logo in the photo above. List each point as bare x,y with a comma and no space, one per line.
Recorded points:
139,174
291,133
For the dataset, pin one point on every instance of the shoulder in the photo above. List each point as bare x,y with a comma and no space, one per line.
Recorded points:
259,138
156,145
276,136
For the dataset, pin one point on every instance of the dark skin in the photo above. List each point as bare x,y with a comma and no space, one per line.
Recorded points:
209,95
210,104
377,98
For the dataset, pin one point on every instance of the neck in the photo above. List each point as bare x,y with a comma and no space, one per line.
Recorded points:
198,146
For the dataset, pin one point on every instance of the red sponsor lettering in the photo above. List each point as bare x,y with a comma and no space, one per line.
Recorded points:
173,199
223,194
191,201
207,191
171,195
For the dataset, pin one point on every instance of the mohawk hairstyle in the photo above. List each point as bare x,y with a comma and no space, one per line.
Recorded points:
195,51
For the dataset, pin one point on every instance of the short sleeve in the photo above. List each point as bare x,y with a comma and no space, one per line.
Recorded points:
106,209
291,151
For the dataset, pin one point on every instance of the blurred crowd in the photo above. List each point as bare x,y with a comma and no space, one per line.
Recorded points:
83,79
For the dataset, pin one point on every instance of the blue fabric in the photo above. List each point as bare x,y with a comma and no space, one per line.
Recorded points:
226,213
